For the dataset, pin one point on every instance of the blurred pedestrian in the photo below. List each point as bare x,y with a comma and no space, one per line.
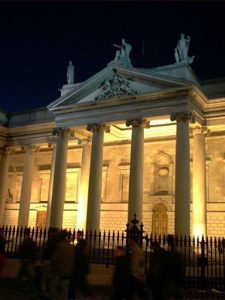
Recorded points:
78,281
28,255
61,267
2,249
47,272
166,273
137,270
122,279
174,269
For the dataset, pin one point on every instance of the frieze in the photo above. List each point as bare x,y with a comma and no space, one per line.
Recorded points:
115,87
153,97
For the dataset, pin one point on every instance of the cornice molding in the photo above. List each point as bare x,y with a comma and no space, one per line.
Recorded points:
148,97
148,79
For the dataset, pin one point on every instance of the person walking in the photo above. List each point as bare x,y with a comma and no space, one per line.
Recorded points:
2,249
122,279
61,267
78,281
137,262
28,255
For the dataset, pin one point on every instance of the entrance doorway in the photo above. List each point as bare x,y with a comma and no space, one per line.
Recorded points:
159,219
41,219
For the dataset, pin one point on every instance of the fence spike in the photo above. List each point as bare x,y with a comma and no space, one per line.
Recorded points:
215,242
211,242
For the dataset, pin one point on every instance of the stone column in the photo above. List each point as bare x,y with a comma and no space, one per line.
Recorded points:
49,206
83,187
4,167
182,174
136,168
25,196
59,181
95,179
199,182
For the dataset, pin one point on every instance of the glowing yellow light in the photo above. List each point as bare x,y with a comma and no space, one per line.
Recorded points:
198,230
82,210
198,216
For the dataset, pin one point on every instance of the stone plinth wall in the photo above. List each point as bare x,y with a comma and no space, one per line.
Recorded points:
70,219
114,217
113,220
11,217
216,224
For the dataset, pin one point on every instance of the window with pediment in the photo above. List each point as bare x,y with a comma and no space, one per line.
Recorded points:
124,182
104,182
72,183
14,184
163,174
44,180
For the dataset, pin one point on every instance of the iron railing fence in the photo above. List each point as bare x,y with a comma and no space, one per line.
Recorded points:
203,259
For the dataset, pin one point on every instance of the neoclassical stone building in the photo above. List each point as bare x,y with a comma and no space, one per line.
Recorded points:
126,141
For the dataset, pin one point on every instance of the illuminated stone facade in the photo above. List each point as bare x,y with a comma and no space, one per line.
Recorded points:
154,147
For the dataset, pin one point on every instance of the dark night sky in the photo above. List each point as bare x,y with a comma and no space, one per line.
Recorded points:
38,39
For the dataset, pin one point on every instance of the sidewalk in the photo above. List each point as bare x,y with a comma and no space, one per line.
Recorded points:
9,290
100,279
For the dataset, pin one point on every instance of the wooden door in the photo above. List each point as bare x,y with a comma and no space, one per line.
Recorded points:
160,220
41,218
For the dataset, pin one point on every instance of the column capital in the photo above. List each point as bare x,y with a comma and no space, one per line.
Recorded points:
97,126
6,150
31,147
52,145
138,123
182,117
59,131
86,141
200,130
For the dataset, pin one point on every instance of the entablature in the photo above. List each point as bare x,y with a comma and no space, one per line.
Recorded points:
36,133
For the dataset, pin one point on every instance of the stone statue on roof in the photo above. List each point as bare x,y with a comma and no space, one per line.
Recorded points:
70,73
181,51
123,54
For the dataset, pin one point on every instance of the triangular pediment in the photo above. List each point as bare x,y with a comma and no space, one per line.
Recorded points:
115,82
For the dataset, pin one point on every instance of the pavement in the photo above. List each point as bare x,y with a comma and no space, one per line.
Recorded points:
100,279
9,290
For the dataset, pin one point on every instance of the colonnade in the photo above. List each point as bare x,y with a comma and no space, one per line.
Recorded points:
89,205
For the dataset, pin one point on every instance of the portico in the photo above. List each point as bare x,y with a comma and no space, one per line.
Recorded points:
125,141
90,214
